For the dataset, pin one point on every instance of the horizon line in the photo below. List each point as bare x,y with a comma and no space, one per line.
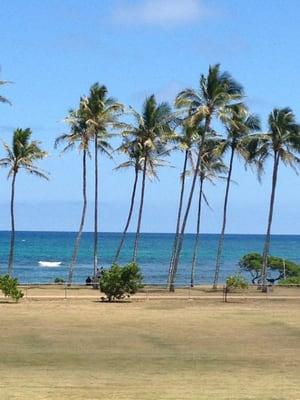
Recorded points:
150,233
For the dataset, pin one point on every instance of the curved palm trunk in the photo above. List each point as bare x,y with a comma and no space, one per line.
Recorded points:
221,240
77,241
197,239
12,216
178,217
266,249
137,236
96,208
184,222
129,215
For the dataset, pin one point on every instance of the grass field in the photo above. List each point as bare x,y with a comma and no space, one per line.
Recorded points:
160,349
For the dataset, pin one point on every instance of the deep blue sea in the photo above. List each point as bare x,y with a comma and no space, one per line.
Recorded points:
154,254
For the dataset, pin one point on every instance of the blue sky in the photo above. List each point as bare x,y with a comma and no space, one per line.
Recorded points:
54,50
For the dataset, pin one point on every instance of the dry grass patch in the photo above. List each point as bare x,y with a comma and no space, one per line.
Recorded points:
150,350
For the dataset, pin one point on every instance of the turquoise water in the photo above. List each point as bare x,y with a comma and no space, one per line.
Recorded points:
154,254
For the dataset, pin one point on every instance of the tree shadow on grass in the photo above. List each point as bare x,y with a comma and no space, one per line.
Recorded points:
4,301
112,301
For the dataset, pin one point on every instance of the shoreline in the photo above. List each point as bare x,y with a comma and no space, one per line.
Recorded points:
151,292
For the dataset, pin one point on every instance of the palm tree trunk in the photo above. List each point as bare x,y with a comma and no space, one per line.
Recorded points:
129,215
96,207
196,246
77,241
137,236
266,249
184,222
178,217
12,216
221,240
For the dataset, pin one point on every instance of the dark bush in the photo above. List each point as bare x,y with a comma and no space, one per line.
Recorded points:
59,280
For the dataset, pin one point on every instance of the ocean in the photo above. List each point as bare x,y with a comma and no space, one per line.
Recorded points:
154,254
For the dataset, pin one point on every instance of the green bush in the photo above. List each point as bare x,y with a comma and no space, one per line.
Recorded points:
292,280
234,282
119,282
9,287
252,263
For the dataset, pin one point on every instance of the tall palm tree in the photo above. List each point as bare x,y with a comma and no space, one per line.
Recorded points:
101,113
214,98
238,126
282,143
78,135
4,99
152,129
132,149
22,155
211,168
188,138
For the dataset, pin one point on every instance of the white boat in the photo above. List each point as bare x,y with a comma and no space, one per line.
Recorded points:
50,263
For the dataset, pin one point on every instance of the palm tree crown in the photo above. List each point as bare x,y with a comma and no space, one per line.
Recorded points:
101,112
282,139
153,127
78,132
23,154
216,94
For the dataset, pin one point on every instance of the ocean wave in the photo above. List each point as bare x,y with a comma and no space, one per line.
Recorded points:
50,263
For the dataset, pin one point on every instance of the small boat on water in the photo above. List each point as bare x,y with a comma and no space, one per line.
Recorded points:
50,263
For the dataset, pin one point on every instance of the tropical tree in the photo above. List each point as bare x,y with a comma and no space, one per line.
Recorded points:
282,143
285,269
100,112
214,98
152,129
239,125
211,168
4,99
77,138
185,142
135,160
22,155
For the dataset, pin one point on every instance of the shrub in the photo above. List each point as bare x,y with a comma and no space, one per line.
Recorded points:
119,282
59,280
9,287
234,282
292,280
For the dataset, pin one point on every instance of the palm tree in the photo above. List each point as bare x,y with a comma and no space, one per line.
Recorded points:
132,149
211,167
282,143
78,135
238,126
215,97
4,99
152,130
21,155
100,112
189,136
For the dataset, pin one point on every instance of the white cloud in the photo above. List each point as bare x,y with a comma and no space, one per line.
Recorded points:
160,12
